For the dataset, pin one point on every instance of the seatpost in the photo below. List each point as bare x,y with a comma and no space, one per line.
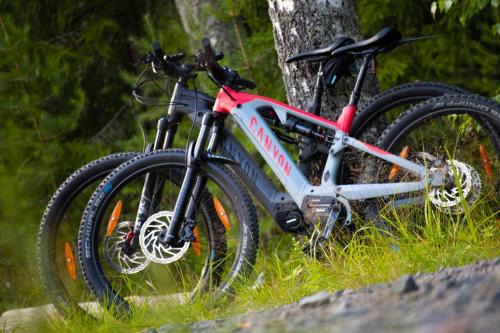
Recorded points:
315,107
307,147
356,93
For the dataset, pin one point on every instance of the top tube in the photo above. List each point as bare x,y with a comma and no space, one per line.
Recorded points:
229,99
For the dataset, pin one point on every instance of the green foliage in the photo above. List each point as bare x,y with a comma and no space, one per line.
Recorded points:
468,9
289,274
465,54
59,65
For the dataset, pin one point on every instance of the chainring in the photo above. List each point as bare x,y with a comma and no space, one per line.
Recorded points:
115,254
149,240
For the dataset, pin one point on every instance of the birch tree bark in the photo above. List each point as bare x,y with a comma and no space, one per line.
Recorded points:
301,25
198,22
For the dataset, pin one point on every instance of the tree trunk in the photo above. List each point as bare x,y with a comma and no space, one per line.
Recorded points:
301,25
198,21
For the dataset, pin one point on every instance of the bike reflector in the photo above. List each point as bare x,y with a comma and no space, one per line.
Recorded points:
197,243
221,213
115,216
395,168
485,158
70,261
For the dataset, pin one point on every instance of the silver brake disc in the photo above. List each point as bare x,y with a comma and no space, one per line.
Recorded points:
449,198
115,254
149,240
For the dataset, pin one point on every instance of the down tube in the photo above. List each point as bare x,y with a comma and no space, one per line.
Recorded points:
251,174
268,145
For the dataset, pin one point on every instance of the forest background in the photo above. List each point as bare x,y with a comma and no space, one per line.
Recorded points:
66,71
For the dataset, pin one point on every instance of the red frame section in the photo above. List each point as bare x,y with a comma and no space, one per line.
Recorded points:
227,99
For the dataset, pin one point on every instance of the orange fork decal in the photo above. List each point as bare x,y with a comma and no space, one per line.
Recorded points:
485,158
395,168
70,261
222,214
197,242
113,220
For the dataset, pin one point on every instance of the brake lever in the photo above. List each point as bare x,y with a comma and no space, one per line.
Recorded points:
147,58
174,57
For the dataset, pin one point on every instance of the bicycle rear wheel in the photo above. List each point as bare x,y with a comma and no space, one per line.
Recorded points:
58,233
455,132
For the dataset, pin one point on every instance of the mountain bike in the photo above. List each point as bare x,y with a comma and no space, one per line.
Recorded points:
165,237
58,231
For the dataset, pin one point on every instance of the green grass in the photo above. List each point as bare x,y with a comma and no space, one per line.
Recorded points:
436,240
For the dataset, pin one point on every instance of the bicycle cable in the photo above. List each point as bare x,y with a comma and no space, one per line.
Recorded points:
141,127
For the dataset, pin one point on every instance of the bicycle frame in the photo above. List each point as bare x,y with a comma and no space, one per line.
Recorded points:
243,106
244,109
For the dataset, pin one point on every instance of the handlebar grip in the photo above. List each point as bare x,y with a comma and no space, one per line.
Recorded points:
219,55
217,72
157,51
207,48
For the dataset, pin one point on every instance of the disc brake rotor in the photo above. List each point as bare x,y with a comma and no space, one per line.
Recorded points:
115,254
149,240
449,197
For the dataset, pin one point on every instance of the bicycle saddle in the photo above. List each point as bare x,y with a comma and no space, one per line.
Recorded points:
386,38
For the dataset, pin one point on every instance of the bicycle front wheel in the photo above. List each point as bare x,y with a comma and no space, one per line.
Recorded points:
222,253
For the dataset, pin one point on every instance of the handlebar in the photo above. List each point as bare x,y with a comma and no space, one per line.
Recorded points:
222,75
206,60
170,64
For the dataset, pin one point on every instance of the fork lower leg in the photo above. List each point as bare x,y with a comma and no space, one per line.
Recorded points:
194,158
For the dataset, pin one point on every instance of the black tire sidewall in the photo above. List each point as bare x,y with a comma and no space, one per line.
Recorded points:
51,221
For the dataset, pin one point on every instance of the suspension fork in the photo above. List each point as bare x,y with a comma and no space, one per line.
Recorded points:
159,181
199,185
193,183
153,183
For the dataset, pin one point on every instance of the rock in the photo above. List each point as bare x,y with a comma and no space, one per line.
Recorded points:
405,284
342,307
24,320
426,288
320,298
